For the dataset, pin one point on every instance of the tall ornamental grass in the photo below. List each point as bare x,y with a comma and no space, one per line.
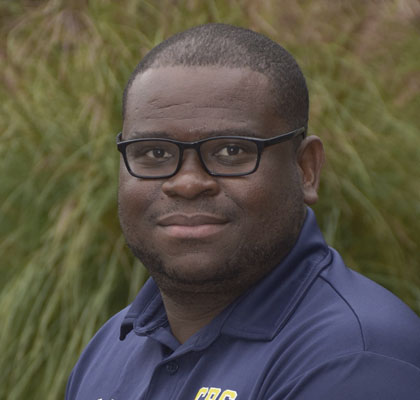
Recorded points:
64,265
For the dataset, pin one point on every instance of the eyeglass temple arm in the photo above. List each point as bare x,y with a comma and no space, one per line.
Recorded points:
284,137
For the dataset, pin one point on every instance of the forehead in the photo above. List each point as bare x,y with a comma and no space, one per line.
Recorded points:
195,100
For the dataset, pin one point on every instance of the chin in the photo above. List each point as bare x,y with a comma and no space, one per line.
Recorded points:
197,274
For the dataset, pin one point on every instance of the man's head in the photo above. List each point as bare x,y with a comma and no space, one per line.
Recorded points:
220,45
193,231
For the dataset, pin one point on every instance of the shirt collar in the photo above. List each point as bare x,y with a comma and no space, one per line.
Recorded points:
254,315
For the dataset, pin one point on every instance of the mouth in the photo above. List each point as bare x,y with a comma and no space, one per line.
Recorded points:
194,226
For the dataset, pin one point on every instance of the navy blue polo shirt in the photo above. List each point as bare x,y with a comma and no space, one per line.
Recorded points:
310,330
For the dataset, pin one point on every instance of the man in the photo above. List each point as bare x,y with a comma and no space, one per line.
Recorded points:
246,300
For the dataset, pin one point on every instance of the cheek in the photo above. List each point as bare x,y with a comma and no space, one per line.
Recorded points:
274,197
254,198
134,198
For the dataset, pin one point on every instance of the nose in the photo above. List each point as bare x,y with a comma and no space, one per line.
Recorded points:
191,180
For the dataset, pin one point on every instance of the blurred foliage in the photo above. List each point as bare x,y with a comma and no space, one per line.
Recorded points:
64,265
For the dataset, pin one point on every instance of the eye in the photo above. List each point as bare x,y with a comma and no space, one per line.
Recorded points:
230,150
158,153
151,152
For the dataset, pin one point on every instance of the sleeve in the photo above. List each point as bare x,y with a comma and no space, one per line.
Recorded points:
360,376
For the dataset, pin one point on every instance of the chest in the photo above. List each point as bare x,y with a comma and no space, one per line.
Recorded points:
226,370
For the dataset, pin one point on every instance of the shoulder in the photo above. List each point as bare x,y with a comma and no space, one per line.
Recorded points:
349,338
98,354
387,326
107,336
355,376
344,312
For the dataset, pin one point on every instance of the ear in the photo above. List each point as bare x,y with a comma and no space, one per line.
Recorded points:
310,158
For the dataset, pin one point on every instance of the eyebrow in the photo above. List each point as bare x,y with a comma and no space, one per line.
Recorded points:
166,135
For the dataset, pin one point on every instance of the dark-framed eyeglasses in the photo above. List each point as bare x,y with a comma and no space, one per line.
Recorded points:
157,158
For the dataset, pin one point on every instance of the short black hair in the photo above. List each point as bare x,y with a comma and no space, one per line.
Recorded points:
233,47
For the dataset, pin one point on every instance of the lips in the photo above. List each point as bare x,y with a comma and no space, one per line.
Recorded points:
191,220
195,226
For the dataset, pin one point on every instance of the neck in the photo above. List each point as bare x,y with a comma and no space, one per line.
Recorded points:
187,315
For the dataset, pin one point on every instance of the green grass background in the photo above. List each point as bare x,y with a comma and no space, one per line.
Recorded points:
64,266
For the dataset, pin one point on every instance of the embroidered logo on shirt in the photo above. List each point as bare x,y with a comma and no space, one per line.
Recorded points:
213,393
